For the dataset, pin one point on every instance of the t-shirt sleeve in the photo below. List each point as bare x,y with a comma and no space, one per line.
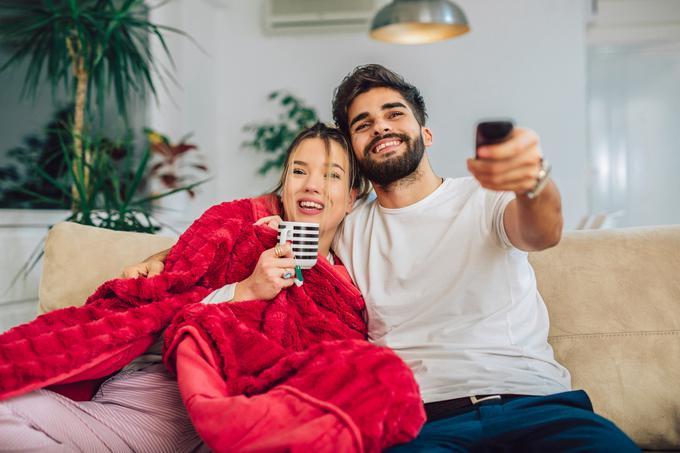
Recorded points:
496,203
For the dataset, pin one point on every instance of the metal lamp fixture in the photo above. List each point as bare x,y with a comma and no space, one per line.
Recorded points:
418,22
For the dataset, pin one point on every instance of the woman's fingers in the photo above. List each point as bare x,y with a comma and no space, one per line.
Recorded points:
283,263
275,271
280,251
288,273
277,267
287,278
264,220
287,282
271,221
287,251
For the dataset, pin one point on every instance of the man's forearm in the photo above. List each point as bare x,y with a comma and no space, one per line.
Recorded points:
535,224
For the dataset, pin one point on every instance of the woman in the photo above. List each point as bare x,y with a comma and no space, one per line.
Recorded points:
268,349
317,187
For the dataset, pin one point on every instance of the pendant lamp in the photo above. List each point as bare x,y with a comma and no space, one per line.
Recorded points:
418,22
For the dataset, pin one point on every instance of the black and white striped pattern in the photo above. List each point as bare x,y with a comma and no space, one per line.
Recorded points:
305,238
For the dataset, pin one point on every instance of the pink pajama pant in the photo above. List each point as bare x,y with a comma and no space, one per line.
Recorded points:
134,411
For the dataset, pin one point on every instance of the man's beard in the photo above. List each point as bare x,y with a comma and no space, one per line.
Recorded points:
396,167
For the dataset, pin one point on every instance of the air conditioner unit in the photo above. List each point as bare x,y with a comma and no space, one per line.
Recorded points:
302,16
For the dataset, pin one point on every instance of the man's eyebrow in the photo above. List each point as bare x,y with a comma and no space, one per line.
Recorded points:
389,105
359,117
392,105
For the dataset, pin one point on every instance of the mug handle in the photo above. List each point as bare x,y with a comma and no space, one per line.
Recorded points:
283,235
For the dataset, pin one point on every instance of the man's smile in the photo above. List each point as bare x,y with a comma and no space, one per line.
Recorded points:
386,145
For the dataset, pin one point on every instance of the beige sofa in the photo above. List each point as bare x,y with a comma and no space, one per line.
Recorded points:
613,298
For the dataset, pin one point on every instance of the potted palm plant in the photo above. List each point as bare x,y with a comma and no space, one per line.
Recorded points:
94,48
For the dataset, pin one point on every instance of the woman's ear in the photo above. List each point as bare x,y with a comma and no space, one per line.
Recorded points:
350,202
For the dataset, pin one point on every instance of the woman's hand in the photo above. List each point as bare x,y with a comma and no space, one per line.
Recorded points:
271,275
271,221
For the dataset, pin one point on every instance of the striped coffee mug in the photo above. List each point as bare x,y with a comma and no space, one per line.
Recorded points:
305,239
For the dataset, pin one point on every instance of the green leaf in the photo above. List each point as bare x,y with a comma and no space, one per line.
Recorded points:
139,174
38,196
169,192
59,185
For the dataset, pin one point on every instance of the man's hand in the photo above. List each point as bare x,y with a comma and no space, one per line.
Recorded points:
151,266
514,166
144,269
511,166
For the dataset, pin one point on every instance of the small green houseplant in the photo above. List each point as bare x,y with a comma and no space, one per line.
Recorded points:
273,138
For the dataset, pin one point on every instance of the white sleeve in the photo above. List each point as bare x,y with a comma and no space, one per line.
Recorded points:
496,204
223,294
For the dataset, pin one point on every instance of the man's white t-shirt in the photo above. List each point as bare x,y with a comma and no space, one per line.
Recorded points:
446,290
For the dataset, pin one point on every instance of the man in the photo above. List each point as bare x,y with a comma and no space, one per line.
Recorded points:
443,267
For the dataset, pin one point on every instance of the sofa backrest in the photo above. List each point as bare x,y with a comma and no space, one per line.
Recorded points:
613,297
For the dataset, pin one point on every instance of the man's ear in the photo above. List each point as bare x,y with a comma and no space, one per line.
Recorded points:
427,136
350,202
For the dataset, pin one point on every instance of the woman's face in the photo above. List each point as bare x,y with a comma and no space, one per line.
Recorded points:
317,187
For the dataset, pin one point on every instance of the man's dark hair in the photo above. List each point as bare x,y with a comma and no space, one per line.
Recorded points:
367,77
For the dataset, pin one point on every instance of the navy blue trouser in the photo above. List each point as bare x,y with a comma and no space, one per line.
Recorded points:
564,422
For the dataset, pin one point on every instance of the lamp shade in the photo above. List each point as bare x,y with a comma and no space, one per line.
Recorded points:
418,22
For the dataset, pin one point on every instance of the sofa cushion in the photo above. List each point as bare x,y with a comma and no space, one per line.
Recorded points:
79,258
613,297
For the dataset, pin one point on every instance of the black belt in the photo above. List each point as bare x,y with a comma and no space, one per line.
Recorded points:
443,409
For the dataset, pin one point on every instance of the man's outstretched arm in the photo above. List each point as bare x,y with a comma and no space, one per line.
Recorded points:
151,266
535,224
531,224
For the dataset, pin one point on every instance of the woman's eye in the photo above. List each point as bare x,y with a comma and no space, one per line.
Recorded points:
334,175
298,171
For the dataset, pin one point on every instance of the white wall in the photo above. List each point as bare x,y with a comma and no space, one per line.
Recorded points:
524,59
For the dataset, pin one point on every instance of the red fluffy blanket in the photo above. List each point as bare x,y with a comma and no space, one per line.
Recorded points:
294,372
